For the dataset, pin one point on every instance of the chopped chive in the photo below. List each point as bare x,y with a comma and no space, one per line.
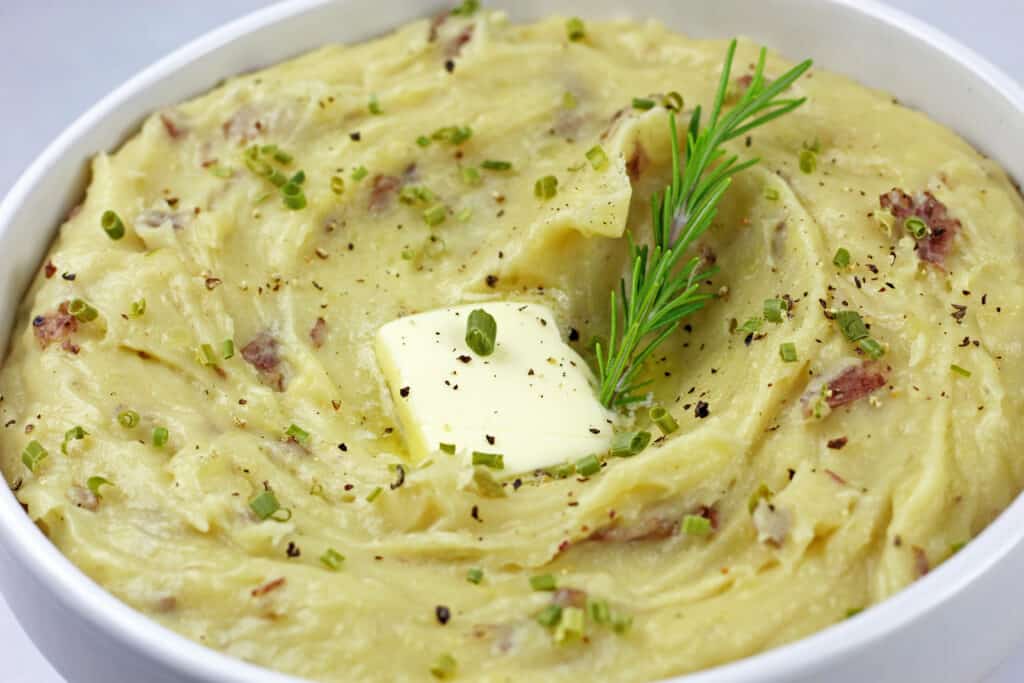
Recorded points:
597,157
621,623
628,444
467,8
282,157
543,582
475,575
332,559
588,465
160,435
372,495
493,460
448,448
453,135
872,348
82,310
808,161
851,325
128,418
73,434
643,103
661,417
112,225
572,625
293,196
751,326
842,258
278,179
775,309
435,214
762,492
917,227
598,611
562,471
546,187
227,349
259,167
771,194
206,355
575,29
95,483
787,351
673,101
298,433
33,454
549,616
415,194
470,175
481,332
359,172
138,308
264,504
374,106
423,141
337,184
496,165
695,525
568,100
444,667
959,370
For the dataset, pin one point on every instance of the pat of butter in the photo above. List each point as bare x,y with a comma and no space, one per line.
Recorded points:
532,400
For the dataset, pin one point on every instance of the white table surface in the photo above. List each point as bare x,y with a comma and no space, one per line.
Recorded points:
62,56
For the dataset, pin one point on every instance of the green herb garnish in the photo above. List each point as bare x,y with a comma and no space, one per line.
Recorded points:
112,225
661,417
543,582
493,460
657,294
575,29
481,332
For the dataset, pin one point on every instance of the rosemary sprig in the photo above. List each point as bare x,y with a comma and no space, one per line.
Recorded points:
659,292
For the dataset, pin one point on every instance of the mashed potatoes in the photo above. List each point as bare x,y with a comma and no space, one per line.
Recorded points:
206,431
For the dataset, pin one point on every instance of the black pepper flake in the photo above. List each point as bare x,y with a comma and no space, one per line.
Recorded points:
443,614
475,513
702,410
595,430
464,358
404,392
449,65
959,311
492,280
516,484
574,334
293,550
838,443
342,447
70,277
400,471
490,439
356,136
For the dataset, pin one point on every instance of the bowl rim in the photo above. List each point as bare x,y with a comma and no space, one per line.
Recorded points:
79,593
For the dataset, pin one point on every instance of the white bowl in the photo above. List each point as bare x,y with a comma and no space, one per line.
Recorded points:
955,624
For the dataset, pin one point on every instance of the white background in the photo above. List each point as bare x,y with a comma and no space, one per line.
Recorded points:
58,58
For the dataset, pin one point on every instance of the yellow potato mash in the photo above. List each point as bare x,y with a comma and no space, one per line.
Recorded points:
195,415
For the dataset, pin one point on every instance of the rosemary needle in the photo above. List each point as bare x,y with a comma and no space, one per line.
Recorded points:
658,292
